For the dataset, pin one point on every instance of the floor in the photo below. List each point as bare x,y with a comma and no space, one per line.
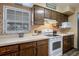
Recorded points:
72,52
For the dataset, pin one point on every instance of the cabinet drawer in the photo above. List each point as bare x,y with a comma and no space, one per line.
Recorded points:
26,45
41,42
8,49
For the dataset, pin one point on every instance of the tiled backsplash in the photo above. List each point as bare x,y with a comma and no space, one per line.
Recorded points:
35,27
8,36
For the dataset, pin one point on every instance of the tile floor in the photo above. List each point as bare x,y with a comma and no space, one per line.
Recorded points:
72,52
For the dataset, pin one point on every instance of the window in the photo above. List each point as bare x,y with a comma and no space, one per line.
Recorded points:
16,20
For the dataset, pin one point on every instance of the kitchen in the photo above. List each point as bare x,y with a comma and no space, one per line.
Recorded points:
39,29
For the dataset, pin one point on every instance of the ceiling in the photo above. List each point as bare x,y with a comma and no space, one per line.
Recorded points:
75,5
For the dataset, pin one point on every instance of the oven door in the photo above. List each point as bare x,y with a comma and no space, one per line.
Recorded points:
55,46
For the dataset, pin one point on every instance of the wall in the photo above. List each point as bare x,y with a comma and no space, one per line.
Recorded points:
73,20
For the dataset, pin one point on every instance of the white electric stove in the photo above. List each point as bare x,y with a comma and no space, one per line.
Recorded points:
55,45
55,42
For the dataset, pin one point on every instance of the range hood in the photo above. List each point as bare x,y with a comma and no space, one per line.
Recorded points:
49,21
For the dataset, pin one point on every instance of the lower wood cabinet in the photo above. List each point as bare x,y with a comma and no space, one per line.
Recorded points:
68,43
11,50
12,54
27,52
37,48
42,48
28,49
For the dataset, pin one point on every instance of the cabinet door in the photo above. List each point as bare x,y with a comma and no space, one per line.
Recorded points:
71,43
38,15
65,45
28,49
8,49
48,14
27,52
54,15
64,18
42,48
59,16
68,43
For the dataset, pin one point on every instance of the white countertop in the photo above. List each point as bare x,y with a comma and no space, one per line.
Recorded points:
28,38
71,33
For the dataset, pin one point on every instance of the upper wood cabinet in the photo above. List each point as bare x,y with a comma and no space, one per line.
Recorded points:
54,15
59,17
65,18
38,15
48,14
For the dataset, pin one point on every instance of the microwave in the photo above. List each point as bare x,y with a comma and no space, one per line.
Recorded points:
66,25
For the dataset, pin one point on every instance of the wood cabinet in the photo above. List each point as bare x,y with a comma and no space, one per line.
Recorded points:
42,48
59,17
28,49
38,15
9,50
36,48
48,13
54,15
12,54
68,43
